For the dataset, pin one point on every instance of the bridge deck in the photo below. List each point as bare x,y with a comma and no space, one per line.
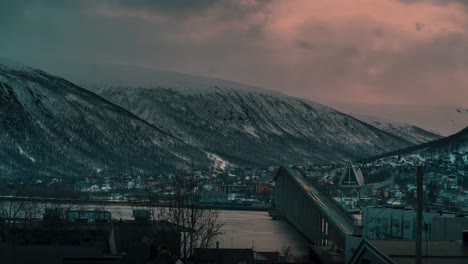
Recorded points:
332,212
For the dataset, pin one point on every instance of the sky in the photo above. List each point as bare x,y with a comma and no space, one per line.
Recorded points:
408,52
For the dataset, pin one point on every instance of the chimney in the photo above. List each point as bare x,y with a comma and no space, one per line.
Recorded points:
465,237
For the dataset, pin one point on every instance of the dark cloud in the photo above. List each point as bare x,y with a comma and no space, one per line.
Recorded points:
379,32
276,44
419,26
305,44
169,6
225,9
110,31
426,71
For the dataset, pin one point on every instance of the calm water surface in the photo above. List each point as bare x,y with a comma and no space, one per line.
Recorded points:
244,229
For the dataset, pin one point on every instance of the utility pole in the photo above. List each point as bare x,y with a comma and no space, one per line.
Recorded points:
419,227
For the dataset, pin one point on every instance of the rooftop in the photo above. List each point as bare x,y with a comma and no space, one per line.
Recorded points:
403,251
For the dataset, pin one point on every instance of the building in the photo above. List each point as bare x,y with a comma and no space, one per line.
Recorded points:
224,255
351,177
244,189
141,215
213,197
400,223
268,257
403,251
265,188
83,216
90,237
54,254
448,227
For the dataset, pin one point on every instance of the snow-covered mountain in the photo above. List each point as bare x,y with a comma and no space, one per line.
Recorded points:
157,121
49,126
442,119
444,147
410,132
232,122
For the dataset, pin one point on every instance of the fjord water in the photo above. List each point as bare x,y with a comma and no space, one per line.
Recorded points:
245,229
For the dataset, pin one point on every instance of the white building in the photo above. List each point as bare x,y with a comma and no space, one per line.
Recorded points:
390,223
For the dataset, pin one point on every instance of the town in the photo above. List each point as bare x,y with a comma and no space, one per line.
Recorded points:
390,179
378,196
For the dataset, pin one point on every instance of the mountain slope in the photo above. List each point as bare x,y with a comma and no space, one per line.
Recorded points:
409,132
443,119
442,147
237,123
49,126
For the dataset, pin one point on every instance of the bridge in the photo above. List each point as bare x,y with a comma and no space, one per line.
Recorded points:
316,216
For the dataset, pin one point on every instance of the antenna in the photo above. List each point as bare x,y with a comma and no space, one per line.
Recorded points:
419,190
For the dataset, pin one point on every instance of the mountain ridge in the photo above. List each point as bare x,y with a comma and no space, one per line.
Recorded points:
457,142
415,134
223,125
277,113
51,126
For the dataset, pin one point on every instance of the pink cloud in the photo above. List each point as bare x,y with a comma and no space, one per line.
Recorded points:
347,50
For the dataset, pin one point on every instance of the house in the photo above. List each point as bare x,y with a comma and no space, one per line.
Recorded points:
141,215
53,254
54,240
403,251
213,197
84,216
224,255
267,257
139,242
265,188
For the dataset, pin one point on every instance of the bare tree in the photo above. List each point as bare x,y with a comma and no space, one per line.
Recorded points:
10,212
183,208
16,212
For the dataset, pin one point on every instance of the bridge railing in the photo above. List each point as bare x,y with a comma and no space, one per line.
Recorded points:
346,216
346,213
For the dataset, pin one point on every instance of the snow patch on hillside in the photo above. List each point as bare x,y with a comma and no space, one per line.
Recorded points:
24,153
251,130
218,162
